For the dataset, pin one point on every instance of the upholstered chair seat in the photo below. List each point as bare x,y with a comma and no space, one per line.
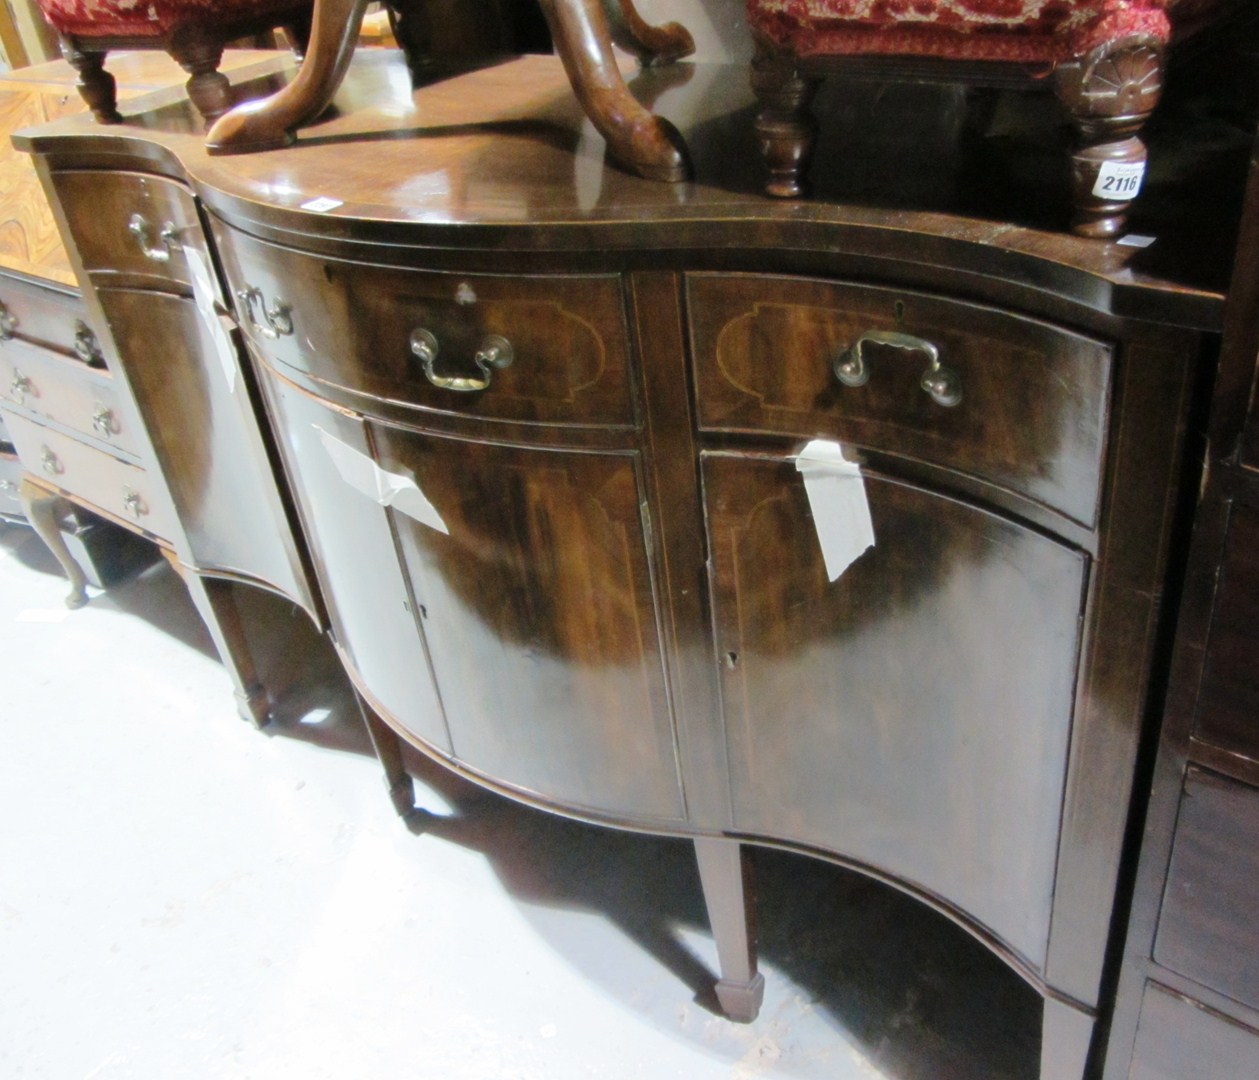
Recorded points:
1104,58
194,32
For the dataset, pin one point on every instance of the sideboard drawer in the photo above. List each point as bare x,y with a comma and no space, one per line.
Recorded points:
1179,1039
1207,929
128,223
10,477
66,391
47,316
425,339
1022,404
123,490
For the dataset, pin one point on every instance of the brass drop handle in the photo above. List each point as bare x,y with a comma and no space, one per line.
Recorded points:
20,386
103,421
49,462
494,354
277,319
133,502
86,347
8,323
942,383
167,239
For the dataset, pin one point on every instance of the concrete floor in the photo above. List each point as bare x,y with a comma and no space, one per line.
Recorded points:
183,896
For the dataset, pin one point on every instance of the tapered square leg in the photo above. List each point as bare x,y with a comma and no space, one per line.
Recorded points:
388,746
725,874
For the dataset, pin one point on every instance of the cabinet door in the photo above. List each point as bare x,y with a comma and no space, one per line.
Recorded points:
356,560
913,715
205,433
539,610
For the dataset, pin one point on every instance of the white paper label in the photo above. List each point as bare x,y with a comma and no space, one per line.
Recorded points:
206,295
380,485
321,205
837,498
1119,180
1136,240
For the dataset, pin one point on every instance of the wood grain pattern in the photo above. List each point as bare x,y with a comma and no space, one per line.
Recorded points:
539,611
853,707
1034,396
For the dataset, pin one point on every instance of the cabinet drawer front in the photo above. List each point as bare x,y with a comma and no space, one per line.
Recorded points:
66,391
414,337
129,223
123,490
1228,701
912,715
46,316
1033,397
10,477
1179,1039
1207,929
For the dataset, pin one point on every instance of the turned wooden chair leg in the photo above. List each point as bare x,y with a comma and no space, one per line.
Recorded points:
637,139
43,509
1066,1038
388,746
96,86
785,126
652,45
199,53
725,874
1109,94
217,607
270,122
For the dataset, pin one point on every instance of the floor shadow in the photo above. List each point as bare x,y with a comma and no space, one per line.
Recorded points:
916,996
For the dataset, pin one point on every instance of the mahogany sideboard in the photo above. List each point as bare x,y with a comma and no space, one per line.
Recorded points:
538,426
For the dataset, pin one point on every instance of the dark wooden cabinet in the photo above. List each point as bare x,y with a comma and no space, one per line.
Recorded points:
1188,994
540,424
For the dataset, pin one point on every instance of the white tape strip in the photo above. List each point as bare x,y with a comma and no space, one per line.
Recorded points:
379,485
837,498
206,294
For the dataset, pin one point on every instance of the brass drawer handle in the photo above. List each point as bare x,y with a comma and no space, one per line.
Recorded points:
277,318
86,347
942,383
494,354
133,502
20,386
49,462
167,239
8,322
103,422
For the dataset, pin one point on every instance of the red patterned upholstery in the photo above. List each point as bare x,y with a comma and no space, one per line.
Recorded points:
148,18
1022,31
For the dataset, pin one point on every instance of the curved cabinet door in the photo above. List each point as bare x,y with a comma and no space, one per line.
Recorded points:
914,715
206,436
356,558
538,606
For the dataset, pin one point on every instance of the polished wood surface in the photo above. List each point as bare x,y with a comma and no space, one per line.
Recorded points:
852,707
1180,1038
570,360
621,614
1033,397
29,240
1208,930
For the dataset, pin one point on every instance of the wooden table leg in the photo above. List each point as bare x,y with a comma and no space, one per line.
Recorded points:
217,607
725,875
388,746
1066,1037
637,139
43,509
269,123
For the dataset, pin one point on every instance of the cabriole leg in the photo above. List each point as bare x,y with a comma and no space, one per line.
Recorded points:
725,874
644,143
43,508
